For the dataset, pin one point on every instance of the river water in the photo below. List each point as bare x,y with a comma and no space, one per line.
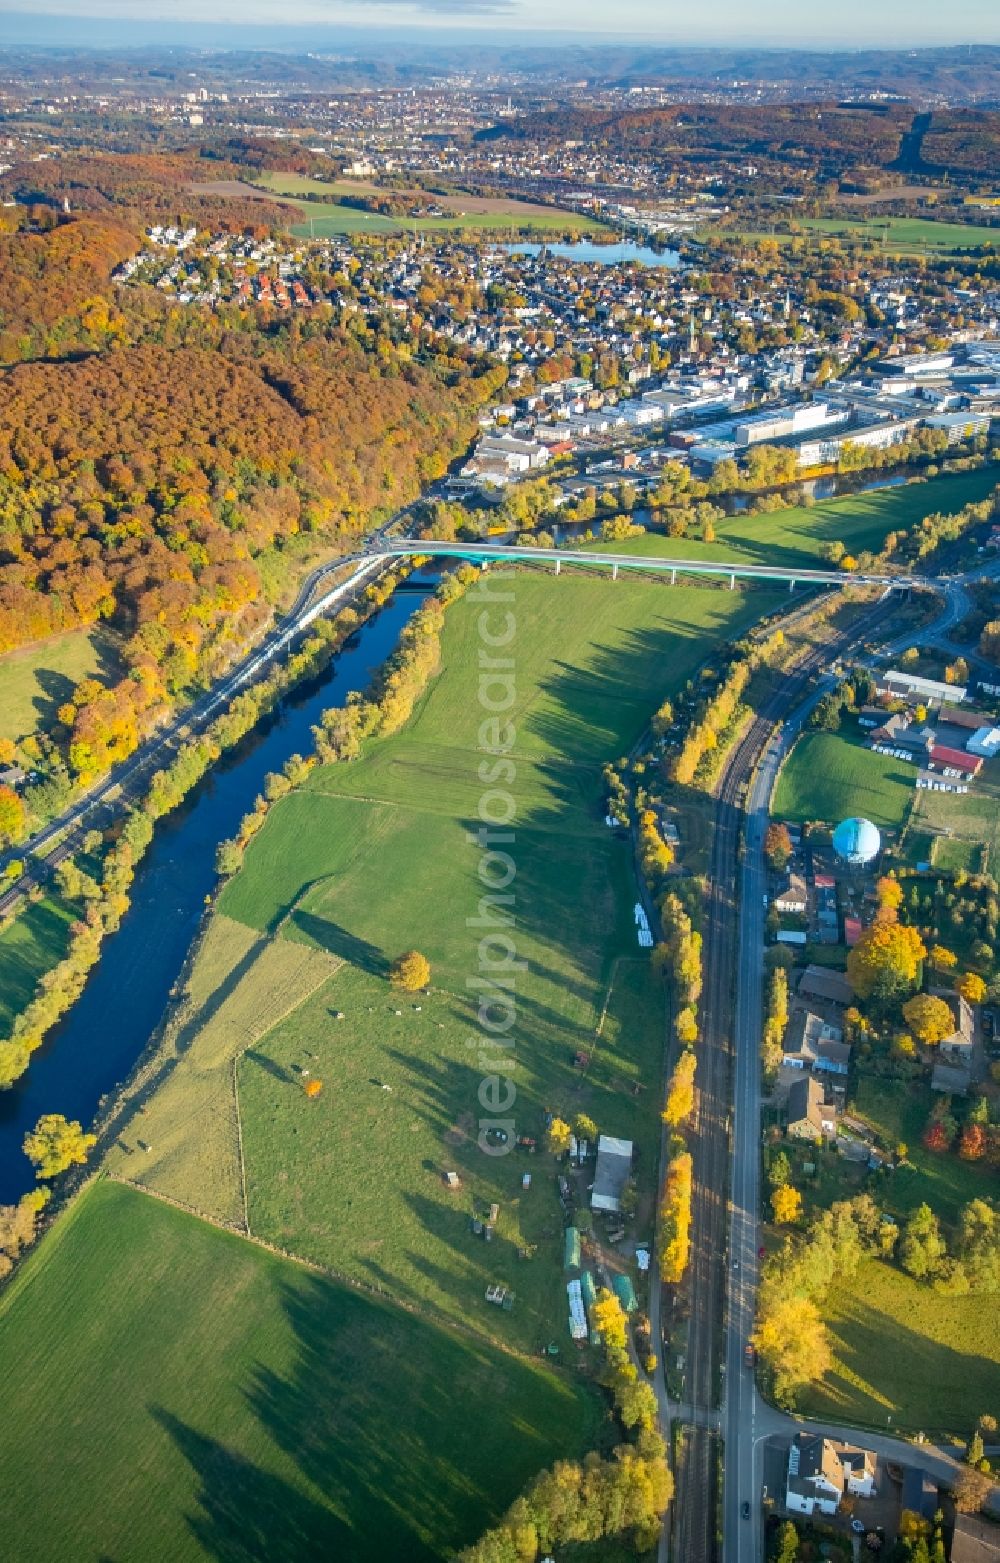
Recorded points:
94,1048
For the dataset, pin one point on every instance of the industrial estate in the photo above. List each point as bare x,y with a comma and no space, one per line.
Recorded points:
499,805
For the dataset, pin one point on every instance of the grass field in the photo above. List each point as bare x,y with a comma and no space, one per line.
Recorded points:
36,680
375,857
461,212
29,947
903,1351
971,820
383,845
793,537
173,1392
898,235
829,776
946,1182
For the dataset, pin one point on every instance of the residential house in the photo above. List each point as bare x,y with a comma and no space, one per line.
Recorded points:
958,1046
827,987
813,1043
809,1116
792,896
920,1493
821,1470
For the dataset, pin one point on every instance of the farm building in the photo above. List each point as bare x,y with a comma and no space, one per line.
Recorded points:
614,1164
908,686
956,760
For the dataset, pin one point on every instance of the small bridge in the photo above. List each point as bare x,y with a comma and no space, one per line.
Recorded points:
490,553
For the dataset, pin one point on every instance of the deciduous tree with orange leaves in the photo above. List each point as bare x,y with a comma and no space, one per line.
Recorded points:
885,962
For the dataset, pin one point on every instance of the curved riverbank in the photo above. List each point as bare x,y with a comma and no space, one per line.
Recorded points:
94,1048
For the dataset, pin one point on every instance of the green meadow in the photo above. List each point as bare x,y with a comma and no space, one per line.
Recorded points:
795,537
829,776
36,680
906,1359
325,219
173,1392
30,946
378,856
896,235
195,1389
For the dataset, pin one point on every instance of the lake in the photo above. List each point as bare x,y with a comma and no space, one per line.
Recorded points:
603,254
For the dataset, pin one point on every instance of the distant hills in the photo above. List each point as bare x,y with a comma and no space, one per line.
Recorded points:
351,56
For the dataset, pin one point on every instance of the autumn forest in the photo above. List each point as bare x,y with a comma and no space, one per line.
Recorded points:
159,468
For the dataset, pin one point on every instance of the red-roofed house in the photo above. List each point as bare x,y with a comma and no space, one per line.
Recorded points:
956,760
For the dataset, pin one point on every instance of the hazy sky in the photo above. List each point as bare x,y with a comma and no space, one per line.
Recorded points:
847,23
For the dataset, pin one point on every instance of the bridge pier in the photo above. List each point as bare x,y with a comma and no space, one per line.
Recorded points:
791,586
614,572
558,565
732,582
673,577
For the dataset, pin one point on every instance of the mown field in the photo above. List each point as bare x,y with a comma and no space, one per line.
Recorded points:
902,1351
326,219
829,776
36,680
173,1392
795,537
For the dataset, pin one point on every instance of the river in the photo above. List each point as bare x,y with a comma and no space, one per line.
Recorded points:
95,1046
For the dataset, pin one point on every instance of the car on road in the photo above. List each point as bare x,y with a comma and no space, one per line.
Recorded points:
745,1511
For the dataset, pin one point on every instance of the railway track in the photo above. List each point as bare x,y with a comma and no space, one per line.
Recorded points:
695,1520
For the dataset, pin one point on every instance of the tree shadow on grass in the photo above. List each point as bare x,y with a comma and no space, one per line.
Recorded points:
226,988
379,1409
278,1071
248,1515
338,941
886,1355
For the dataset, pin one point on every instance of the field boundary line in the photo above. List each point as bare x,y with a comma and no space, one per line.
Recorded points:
239,1143
456,1326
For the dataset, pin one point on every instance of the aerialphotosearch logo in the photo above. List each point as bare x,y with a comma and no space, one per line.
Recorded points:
494,983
